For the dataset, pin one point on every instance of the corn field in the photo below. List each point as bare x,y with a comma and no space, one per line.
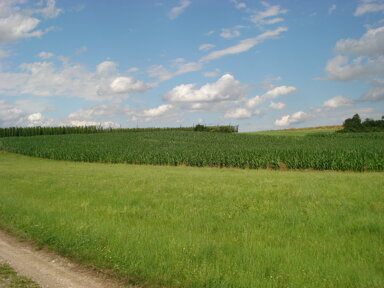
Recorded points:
323,152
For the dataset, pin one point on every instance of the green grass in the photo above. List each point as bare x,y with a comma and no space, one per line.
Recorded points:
201,227
10,279
342,151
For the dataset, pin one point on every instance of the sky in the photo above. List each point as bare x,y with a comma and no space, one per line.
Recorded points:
168,63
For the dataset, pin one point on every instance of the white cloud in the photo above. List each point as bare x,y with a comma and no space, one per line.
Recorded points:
158,111
229,33
71,80
17,22
270,94
106,67
18,26
268,16
107,124
224,89
243,45
35,117
239,5
176,11
338,101
162,74
332,9
294,118
9,114
370,44
210,74
369,6
276,106
374,94
239,113
45,55
162,113
205,47
127,84
133,69
339,68
99,112
50,11
360,59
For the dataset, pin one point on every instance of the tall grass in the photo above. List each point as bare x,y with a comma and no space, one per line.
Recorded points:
190,228
334,152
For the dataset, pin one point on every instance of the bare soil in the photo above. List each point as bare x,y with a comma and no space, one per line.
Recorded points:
48,269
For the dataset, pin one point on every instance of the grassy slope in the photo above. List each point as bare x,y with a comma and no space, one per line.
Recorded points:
201,227
299,132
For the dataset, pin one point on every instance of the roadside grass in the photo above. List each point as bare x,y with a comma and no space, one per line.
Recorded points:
201,227
10,279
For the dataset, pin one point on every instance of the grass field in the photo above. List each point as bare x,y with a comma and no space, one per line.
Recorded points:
355,151
201,227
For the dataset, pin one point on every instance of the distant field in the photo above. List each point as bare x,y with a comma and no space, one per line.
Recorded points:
321,151
201,227
300,131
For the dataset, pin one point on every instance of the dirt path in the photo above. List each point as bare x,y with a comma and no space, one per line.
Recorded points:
47,269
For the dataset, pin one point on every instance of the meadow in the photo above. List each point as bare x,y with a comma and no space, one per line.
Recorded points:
319,151
201,227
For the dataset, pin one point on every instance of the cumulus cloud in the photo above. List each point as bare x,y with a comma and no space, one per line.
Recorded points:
243,45
374,94
276,106
162,113
294,118
106,67
9,114
370,44
71,80
18,22
269,15
99,112
360,60
35,117
177,10
224,89
338,101
127,84
239,113
369,6
339,68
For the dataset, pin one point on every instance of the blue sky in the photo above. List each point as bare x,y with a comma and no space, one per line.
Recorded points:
127,63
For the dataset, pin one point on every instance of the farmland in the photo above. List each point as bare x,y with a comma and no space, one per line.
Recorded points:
319,151
201,227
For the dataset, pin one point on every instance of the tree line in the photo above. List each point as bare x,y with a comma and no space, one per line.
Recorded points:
355,124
